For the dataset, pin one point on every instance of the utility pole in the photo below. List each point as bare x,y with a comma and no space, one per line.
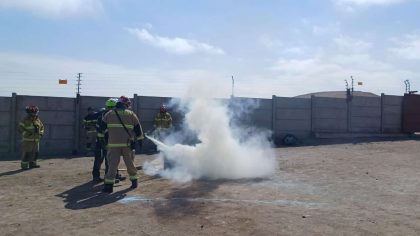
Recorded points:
76,144
233,85
79,79
349,91
408,87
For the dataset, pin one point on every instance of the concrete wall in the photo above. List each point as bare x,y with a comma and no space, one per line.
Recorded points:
301,117
5,106
365,114
292,116
392,114
251,112
329,115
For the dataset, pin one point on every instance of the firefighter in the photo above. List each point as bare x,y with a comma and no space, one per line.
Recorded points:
102,143
163,124
124,130
31,129
89,123
163,120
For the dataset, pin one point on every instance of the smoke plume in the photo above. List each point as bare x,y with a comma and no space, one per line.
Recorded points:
222,149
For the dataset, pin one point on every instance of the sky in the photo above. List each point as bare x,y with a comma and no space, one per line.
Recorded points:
159,48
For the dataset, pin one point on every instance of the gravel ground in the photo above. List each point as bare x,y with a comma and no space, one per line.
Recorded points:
368,188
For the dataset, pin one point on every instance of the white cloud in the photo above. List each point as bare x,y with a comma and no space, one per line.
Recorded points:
39,74
269,42
353,5
408,47
175,45
294,50
367,2
332,28
327,73
348,44
55,8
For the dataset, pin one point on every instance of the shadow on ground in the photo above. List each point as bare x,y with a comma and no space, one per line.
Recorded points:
184,202
89,195
12,172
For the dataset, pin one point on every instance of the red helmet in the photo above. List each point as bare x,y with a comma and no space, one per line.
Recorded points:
32,109
163,109
124,100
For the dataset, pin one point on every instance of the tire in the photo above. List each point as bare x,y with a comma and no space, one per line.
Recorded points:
290,140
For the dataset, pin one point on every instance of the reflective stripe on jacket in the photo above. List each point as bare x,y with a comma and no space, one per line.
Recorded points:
117,135
31,128
89,122
163,120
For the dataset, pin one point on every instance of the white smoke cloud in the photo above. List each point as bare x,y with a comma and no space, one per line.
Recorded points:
223,150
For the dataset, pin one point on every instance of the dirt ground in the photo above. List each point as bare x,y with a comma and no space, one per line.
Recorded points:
368,188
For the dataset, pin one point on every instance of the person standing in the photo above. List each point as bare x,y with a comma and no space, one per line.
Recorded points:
163,119
124,130
89,123
31,129
101,146
101,141
163,124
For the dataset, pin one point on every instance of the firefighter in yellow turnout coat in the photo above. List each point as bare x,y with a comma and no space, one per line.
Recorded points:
163,120
31,129
163,125
124,131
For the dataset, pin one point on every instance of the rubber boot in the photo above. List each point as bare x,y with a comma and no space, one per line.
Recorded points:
134,184
33,163
24,165
108,188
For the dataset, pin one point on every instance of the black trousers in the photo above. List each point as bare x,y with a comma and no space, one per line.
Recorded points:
100,156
